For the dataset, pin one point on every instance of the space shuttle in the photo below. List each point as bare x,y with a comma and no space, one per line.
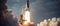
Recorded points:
27,6
26,9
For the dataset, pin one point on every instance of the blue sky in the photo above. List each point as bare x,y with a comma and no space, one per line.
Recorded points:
17,5
40,9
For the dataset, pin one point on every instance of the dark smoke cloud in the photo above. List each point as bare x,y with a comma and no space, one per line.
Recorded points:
3,7
3,4
6,18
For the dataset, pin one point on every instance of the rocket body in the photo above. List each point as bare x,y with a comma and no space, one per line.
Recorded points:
25,17
27,3
22,19
27,6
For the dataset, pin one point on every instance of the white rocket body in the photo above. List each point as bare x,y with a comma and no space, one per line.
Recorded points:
26,9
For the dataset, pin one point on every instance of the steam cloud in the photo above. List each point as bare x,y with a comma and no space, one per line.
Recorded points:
50,22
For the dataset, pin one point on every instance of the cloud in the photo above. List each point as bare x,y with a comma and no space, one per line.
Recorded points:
53,22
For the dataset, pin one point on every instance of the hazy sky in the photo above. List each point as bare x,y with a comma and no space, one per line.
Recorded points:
40,9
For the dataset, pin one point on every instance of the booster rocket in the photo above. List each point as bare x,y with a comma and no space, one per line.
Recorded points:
26,9
27,5
25,16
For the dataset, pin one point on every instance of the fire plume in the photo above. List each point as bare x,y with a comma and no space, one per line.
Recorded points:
27,16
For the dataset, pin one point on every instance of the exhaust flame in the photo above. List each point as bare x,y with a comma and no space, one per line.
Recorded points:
27,16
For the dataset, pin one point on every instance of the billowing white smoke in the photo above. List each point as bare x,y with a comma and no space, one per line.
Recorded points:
50,22
53,22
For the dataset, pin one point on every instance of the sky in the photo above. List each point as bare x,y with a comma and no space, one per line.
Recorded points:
40,9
